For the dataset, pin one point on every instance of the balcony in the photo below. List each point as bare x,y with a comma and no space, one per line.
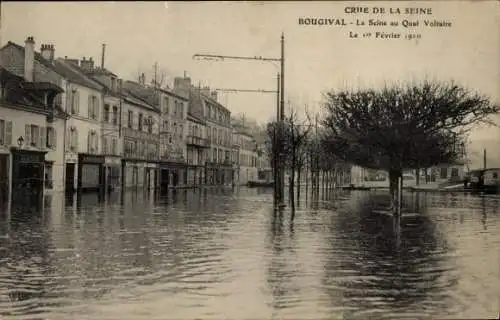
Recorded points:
197,141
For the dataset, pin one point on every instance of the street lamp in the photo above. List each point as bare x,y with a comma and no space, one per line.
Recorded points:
20,141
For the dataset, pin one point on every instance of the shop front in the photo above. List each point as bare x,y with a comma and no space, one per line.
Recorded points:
91,173
112,168
27,182
172,174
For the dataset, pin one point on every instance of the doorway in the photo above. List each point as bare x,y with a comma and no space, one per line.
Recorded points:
70,178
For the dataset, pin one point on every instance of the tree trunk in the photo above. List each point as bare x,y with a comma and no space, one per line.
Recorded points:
394,176
299,169
292,183
417,172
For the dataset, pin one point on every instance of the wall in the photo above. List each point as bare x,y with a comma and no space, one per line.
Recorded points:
81,120
19,120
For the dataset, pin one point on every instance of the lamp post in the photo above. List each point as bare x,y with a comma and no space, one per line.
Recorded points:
20,142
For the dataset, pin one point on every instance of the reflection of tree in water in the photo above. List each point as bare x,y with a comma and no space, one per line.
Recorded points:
381,271
281,271
26,268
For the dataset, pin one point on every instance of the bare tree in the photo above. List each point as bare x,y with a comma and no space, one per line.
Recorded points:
402,127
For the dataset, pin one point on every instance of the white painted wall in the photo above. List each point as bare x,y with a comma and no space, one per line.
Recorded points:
19,121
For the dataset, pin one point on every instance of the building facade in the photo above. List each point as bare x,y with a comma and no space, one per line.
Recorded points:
111,135
141,142
197,145
203,103
247,157
172,130
31,153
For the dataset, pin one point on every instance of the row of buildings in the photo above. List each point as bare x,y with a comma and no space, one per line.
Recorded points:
68,124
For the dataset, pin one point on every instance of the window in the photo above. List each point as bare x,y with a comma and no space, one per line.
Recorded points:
5,133
165,125
190,130
115,115
93,142
454,172
214,155
51,138
48,175
140,122
444,173
72,139
113,146
93,108
150,124
113,83
106,113
495,175
73,101
35,136
105,145
130,119
181,131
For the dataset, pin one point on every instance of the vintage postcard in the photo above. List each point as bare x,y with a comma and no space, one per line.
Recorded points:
250,160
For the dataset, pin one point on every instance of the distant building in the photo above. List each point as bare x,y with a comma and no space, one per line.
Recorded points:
172,129
203,103
248,156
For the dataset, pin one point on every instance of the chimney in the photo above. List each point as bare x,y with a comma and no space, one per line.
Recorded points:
47,51
142,79
214,95
182,85
206,91
29,59
120,84
103,53
87,64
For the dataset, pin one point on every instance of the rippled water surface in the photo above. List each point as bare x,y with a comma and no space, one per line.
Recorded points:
218,254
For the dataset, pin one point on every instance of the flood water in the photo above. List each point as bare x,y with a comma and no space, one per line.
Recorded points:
221,254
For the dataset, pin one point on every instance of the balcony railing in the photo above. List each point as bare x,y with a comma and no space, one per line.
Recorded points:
197,141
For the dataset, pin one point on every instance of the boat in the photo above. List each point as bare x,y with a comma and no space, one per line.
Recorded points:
260,183
485,180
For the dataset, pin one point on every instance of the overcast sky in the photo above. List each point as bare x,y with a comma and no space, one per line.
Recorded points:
317,57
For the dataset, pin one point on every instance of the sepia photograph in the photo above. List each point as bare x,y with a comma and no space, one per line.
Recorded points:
249,160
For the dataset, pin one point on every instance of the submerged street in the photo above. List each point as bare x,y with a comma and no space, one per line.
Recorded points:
217,254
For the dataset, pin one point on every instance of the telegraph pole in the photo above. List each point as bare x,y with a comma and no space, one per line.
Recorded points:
282,122
280,112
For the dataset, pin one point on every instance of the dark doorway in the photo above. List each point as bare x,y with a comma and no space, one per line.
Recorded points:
4,181
164,179
27,178
175,178
70,178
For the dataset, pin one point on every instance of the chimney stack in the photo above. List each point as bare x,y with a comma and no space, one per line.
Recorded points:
103,55
87,65
47,51
29,59
182,86
214,95
142,79
206,91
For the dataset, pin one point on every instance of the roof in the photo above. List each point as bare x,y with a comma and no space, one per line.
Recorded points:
62,68
194,118
135,100
75,74
22,93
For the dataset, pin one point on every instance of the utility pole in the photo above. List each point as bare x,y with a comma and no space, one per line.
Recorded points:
484,158
282,122
281,108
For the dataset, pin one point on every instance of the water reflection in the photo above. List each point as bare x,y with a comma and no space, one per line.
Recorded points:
218,253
